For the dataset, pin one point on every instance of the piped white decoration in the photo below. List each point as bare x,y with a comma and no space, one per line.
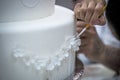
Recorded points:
30,3
70,44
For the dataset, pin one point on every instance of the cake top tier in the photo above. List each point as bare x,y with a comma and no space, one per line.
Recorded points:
19,10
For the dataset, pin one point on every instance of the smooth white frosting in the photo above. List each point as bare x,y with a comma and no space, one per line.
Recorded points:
16,10
22,41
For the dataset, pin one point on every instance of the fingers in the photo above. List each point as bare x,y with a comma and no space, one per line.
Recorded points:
90,11
87,39
80,25
89,33
77,11
80,10
83,10
97,12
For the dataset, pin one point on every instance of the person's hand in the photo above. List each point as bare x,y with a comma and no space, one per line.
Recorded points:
90,11
91,44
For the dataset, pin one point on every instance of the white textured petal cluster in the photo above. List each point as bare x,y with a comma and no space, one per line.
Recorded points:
70,45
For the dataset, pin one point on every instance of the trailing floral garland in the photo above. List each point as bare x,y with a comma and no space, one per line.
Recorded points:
71,44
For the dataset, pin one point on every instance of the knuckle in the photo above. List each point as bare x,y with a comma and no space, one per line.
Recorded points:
97,9
90,9
83,9
78,29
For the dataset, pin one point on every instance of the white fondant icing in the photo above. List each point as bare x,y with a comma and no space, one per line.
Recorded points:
19,10
36,41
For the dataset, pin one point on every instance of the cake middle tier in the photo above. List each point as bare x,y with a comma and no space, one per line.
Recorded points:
42,49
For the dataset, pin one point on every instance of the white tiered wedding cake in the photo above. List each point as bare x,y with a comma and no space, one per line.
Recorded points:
36,40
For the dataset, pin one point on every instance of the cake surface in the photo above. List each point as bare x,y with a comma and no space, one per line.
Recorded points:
41,49
19,10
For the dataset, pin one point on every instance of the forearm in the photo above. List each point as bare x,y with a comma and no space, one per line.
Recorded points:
111,57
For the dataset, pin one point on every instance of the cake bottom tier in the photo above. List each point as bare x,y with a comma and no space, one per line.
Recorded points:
22,72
